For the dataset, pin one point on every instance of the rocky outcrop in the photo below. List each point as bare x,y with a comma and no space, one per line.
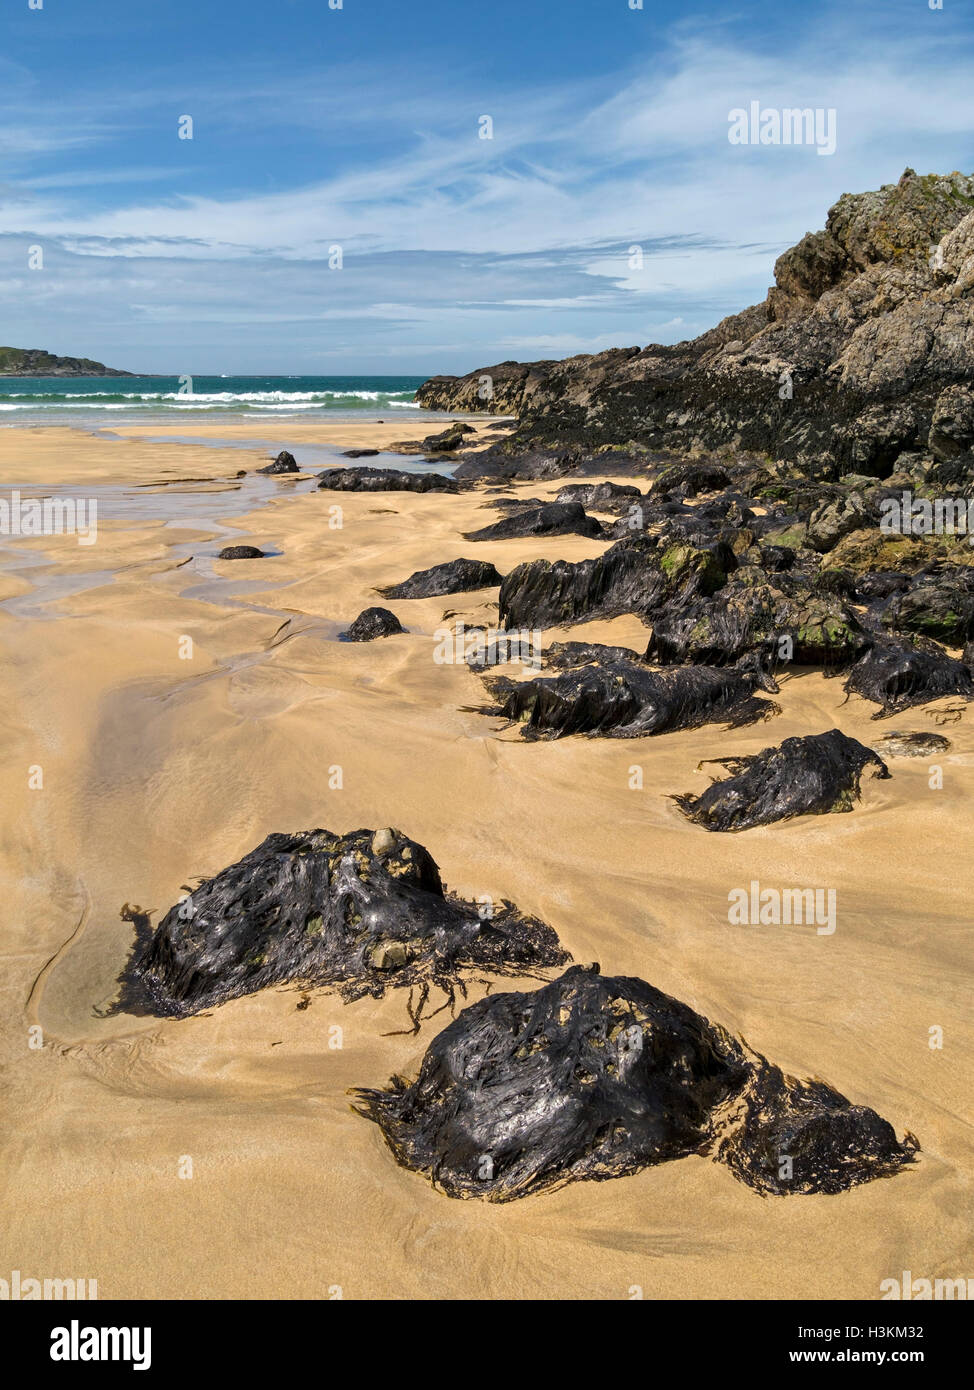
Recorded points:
802,777
284,463
861,353
896,675
358,913
619,698
550,519
595,1077
370,624
453,577
38,362
367,479
446,442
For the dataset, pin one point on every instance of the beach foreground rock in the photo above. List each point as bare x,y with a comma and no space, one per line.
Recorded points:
372,623
284,463
620,698
802,777
366,479
550,519
360,913
453,577
596,1077
241,552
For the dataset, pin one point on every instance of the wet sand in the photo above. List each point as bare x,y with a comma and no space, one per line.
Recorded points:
158,768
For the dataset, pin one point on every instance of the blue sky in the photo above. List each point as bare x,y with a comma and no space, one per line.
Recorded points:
360,127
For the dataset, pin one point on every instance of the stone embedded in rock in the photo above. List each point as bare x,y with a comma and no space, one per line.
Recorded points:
898,744
808,776
370,624
594,1077
383,841
388,955
454,577
835,518
356,913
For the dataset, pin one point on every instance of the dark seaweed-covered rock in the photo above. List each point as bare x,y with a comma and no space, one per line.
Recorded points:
595,1077
622,699
284,463
357,912
900,675
446,442
370,624
636,575
550,519
359,453
938,605
241,552
383,480
442,443
801,626
689,479
802,777
453,577
563,655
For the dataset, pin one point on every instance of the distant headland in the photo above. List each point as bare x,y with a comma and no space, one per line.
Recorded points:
38,362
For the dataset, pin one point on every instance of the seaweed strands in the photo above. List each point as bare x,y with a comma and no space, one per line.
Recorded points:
897,675
359,913
807,776
617,698
595,1077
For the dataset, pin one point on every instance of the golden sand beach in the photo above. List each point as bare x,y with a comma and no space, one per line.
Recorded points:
156,768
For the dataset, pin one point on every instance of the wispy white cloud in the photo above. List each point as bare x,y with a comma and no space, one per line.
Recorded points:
516,243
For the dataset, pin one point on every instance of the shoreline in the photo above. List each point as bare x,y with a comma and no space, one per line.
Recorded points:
78,455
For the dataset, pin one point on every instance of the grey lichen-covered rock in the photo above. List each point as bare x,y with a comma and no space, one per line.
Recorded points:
833,519
593,1077
845,364
355,913
952,426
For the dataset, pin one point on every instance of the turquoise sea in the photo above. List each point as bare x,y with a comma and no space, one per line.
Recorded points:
97,401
